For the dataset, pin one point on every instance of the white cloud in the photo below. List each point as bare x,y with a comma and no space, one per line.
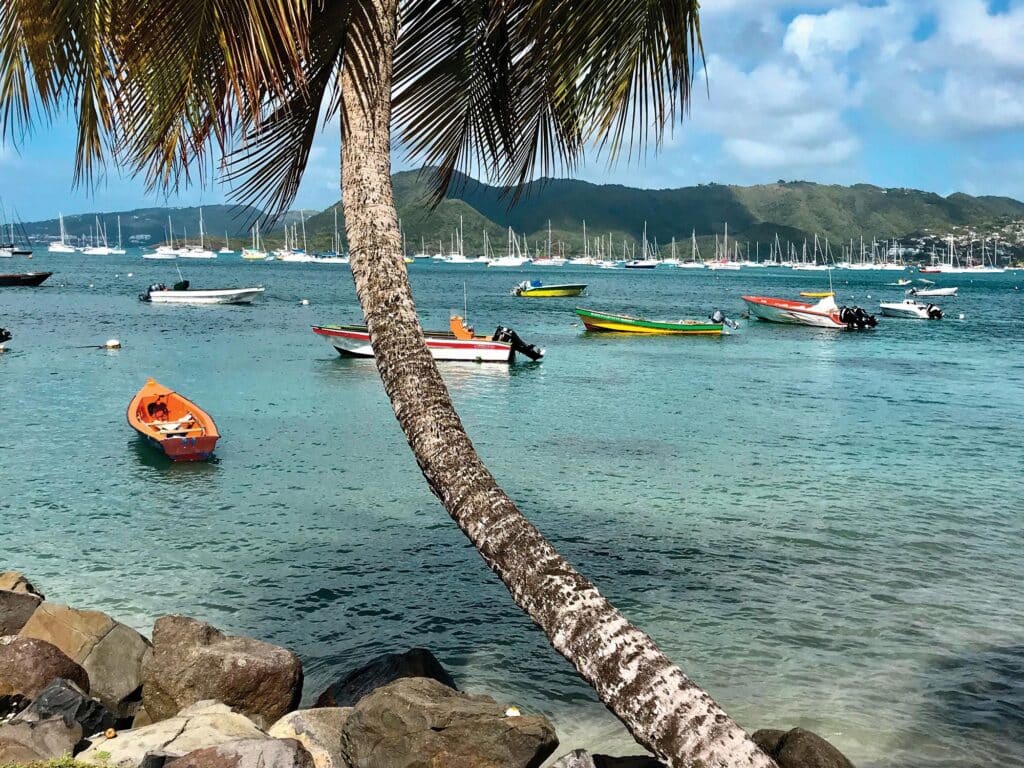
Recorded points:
778,115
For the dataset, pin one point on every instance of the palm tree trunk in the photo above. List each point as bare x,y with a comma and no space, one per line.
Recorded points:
661,707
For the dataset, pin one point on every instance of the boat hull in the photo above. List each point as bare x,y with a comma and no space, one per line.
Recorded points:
551,291
226,296
909,310
354,341
183,432
934,292
29,279
610,323
792,312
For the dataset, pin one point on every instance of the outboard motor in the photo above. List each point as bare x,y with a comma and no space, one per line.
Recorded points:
934,313
181,286
518,345
718,316
855,318
5,335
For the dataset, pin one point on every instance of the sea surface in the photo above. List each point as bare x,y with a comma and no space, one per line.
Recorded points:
823,529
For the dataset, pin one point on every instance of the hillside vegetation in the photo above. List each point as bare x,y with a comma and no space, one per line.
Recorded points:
792,210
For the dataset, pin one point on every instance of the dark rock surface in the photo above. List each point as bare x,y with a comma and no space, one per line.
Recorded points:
110,652
46,740
28,665
799,748
16,608
248,753
417,722
416,662
193,661
65,700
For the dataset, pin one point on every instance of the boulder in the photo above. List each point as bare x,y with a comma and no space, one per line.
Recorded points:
64,699
109,651
417,662
248,753
417,722
28,665
12,581
193,661
319,732
45,740
205,724
16,608
799,748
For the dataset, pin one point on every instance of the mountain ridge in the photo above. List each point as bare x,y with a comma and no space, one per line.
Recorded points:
792,209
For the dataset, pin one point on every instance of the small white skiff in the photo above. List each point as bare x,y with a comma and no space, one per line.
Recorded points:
159,294
909,308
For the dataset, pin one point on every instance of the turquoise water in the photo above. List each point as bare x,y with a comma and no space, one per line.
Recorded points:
823,529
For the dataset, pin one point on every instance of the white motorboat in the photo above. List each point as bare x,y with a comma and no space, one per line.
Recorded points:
639,264
909,308
158,256
181,294
459,343
933,291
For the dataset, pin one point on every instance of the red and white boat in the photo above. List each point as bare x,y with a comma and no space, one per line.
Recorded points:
459,343
824,314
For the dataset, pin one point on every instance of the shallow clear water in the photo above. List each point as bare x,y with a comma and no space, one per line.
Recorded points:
822,528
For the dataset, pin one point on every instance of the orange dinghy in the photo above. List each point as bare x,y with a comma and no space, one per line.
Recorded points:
178,427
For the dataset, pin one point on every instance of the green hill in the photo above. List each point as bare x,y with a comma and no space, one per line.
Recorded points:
791,210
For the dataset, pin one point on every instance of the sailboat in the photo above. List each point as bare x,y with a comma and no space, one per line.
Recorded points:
198,251
62,246
694,262
119,251
513,255
96,249
256,253
227,244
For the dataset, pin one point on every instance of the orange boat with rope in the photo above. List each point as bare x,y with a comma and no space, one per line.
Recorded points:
172,423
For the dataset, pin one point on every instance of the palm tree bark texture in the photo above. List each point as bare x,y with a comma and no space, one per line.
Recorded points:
662,708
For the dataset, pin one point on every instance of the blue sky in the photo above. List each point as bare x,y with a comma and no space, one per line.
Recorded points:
914,93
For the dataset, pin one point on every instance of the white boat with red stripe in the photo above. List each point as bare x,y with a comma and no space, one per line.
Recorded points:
459,343
824,314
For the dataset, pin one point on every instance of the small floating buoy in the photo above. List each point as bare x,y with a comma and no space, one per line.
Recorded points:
304,302
962,316
130,274
512,712
111,344
90,285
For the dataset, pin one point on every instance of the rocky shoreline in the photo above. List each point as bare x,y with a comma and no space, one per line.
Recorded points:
79,683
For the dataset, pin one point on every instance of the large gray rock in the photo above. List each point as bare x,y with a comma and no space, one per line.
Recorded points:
799,748
13,581
109,651
417,722
16,608
416,662
28,665
64,699
193,661
248,753
319,732
205,724
29,742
